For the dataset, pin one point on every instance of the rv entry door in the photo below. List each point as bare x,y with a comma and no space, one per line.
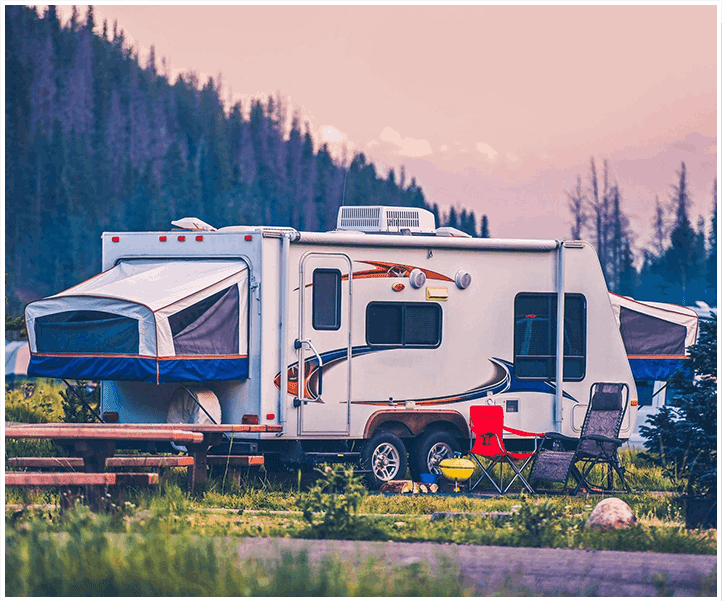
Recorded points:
323,346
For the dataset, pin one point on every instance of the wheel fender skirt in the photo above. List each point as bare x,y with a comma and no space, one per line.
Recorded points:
416,421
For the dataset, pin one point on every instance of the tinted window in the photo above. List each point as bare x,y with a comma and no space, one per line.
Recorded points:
87,332
535,318
326,299
403,324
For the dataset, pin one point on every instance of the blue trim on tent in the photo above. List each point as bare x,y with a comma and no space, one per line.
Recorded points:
655,369
138,369
134,369
203,370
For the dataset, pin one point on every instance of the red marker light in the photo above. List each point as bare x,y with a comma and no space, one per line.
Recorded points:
181,238
163,238
115,239
199,238
250,419
270,416
531,316
248,238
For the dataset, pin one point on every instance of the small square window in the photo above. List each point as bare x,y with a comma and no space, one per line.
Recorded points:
326,299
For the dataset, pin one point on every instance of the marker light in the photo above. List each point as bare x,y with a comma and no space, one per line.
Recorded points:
181,238
270,416
462,279
115,239
398,287
248,238
199,238
250,419
162,238
417,278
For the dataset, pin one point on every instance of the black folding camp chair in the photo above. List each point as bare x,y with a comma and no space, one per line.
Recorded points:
598,443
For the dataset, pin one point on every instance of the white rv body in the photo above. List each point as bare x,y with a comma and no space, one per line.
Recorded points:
466,355
477,327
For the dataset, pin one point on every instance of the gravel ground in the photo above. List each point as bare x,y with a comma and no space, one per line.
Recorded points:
525,570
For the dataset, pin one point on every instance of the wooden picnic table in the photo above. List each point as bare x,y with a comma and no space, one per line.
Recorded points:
95,443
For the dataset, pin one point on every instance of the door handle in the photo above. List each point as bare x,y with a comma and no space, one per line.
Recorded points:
297,344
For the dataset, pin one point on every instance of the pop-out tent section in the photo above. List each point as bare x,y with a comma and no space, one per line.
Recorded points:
148,321
655,335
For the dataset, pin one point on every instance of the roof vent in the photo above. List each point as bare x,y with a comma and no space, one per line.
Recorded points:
385,219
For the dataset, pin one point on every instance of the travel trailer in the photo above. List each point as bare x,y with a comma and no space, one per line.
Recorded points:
656,337
368,343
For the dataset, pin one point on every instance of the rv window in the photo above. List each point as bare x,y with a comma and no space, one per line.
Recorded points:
535,318
326,299
209,327
87,332
403,324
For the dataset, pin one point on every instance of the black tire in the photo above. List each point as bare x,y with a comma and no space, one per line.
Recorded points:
431,448
384,456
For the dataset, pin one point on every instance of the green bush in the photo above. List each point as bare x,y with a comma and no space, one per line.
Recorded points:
331,507
682,438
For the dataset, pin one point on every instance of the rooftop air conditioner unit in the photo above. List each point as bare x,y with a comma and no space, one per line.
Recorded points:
385,219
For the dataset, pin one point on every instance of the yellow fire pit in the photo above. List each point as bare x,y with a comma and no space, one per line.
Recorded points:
457,469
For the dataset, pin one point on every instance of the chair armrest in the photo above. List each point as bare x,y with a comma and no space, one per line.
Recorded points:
522,432
600,438
562,437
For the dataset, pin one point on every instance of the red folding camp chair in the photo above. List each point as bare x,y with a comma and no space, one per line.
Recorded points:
487,423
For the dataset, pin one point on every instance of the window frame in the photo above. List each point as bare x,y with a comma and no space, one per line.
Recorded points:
314,324
403,344
551,298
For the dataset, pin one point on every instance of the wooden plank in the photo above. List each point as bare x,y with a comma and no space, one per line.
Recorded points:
57,479
117,461
106,433
47,462
235,460
136,479
186,427
149,461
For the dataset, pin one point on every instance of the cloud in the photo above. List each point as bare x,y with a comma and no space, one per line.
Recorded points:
409,147
487,150
330,134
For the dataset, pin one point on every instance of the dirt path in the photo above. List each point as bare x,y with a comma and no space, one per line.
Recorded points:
525,570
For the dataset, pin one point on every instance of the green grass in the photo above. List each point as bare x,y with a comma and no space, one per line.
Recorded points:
87,561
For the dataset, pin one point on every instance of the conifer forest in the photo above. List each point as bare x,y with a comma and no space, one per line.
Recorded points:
96,141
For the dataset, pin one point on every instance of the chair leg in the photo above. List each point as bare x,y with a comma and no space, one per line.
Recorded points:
484,474
518,474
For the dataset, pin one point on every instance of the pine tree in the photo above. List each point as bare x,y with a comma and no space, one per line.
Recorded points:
683,436
682,261
577,202
484,232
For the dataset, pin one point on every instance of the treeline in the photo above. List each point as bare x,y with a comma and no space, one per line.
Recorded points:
95,141
679,265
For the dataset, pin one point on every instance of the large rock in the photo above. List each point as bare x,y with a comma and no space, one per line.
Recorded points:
611,514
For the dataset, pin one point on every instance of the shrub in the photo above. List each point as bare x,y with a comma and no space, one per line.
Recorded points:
331,507
683,437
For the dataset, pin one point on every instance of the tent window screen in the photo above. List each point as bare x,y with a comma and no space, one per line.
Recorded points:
209,327
535,331
87,332
647,335
326,299
404,324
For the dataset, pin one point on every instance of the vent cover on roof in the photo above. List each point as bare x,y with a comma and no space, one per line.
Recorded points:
385,219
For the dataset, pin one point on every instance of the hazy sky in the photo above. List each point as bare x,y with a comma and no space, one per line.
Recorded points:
496,108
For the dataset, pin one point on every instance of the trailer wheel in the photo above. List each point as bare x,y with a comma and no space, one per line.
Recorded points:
384,456
430,449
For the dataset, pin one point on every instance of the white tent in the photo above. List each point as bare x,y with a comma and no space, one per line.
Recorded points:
147,320
655,335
